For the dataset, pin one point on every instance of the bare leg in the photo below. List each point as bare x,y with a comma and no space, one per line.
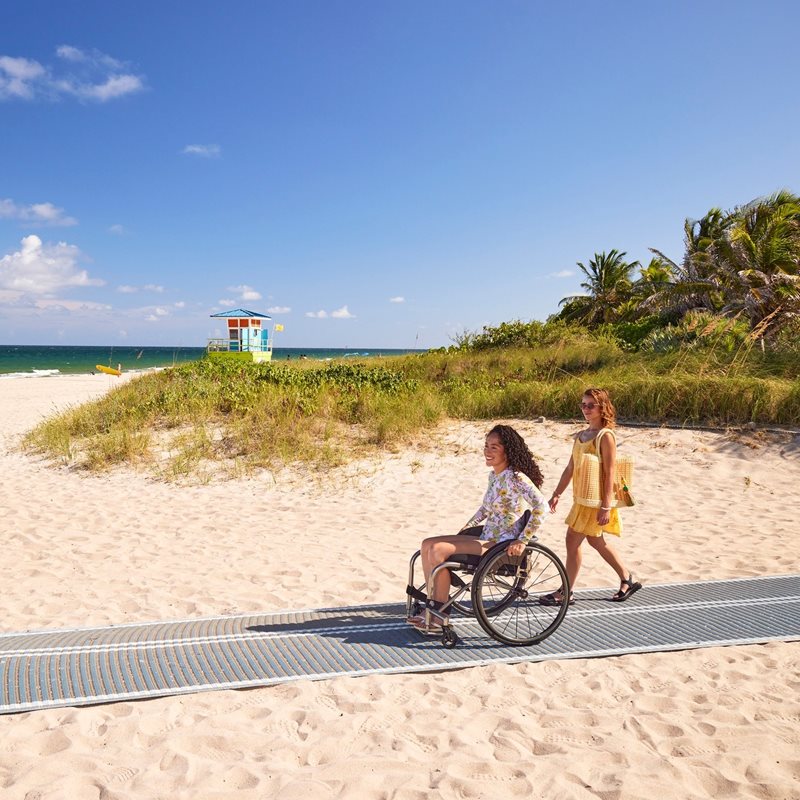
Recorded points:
437,550
609,555
574,556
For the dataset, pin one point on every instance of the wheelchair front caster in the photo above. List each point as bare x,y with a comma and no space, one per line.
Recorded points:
449,638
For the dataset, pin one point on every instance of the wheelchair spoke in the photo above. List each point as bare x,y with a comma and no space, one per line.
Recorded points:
506,594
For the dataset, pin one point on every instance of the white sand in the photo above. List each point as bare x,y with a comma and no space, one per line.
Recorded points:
82,550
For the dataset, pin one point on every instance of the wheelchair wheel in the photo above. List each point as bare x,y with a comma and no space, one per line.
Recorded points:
449,638
506,590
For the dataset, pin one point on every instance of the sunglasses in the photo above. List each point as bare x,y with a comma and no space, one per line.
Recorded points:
589,406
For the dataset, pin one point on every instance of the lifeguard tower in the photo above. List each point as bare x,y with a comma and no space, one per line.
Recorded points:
248,336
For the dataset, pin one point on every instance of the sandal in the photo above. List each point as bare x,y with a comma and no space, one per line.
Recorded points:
434,628
437,618
624,594
556,599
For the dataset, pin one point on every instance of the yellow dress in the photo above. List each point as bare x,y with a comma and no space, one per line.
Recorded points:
583,519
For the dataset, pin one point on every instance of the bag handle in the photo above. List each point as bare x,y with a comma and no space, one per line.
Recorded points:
603,432
597,438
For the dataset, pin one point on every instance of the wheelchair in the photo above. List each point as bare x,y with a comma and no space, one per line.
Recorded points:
501,591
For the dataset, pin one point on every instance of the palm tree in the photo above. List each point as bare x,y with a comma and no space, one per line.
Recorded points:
759,261
692,285
608,286
655,277
744,261
658,272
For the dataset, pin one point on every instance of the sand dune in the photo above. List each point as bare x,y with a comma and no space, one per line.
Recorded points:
83,550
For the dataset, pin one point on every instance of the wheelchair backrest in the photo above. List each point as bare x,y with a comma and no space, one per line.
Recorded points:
520,524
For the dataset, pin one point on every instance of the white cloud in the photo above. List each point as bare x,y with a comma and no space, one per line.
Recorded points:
245,292
397,299
113,86
94,76
204,150
49,214
40,214
95,57
279,310
226,302
18,76
154,313
72,305
148,287
564,273
180,304
42,269
117,230
70,53
339,313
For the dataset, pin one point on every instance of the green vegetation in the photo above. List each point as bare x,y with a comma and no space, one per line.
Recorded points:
247,414
714,340
702,382
267,415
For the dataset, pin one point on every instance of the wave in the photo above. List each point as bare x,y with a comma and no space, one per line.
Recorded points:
36,373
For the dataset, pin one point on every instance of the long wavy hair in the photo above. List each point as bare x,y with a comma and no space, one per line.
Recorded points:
520,458
608,414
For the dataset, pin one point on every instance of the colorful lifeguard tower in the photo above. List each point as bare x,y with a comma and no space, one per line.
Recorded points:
248,337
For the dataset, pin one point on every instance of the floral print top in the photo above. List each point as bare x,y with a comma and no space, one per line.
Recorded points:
504,503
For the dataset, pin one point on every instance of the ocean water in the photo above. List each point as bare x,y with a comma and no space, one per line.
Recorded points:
33,361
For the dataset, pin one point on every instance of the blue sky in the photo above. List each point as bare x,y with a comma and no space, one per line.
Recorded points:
378,174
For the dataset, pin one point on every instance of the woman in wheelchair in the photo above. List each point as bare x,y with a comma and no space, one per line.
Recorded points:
506,498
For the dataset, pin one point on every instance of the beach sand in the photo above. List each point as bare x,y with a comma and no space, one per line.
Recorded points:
82,550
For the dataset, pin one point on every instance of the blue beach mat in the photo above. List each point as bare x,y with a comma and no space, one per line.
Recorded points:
49,669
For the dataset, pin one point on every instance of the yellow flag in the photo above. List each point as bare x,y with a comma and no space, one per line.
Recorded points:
278,326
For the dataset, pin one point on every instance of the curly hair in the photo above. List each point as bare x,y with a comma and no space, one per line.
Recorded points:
608,414
520,458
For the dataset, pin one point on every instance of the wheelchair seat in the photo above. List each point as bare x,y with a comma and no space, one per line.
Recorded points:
465,560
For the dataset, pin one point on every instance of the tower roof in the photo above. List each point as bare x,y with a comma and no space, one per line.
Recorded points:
240,312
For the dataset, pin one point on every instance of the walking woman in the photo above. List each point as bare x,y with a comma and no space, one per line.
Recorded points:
586,522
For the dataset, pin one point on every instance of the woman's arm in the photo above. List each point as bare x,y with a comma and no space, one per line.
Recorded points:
483,512
608,460
538,505
478,517
566,477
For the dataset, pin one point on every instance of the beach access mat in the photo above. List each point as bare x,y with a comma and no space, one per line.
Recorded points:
47,669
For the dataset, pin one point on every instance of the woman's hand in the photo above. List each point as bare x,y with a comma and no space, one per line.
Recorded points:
516,548
553,502
603,516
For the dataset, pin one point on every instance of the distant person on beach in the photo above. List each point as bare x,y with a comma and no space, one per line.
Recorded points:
585,522
514,484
